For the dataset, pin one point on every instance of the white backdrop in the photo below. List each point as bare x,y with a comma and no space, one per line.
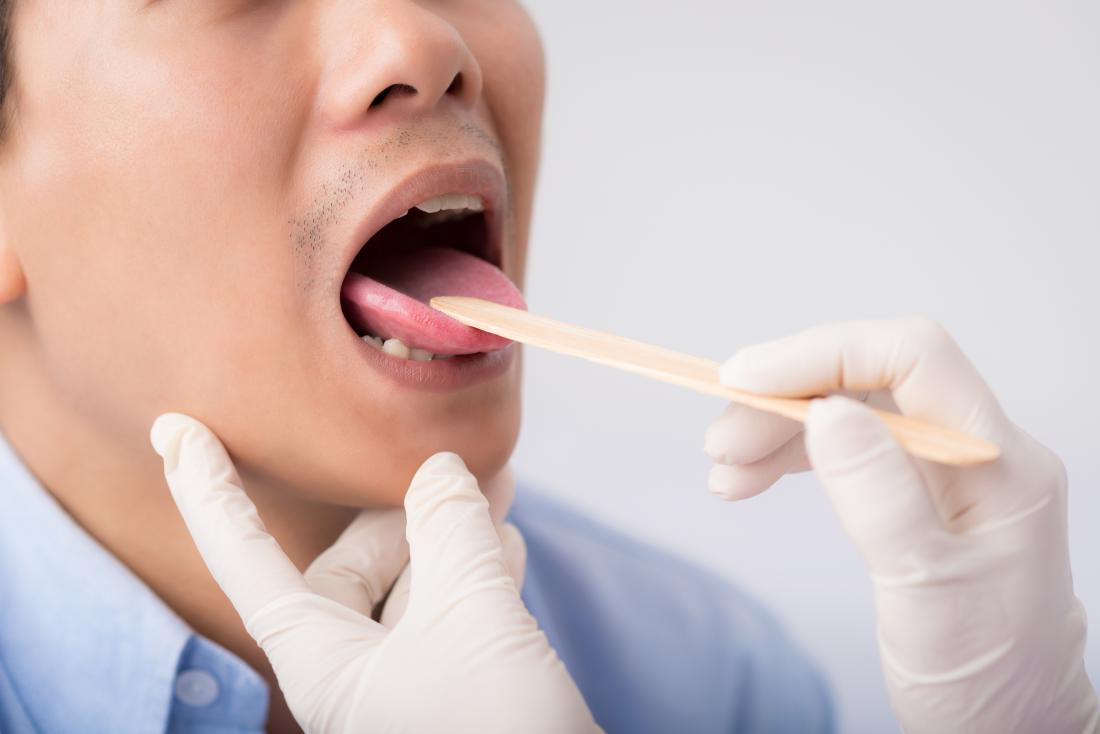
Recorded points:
719,173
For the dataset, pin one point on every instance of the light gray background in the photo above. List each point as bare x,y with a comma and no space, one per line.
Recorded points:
717,174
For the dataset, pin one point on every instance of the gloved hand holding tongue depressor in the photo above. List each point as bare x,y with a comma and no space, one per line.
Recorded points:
463,653
978,625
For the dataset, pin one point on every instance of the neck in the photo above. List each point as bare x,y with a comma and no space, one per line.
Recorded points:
114,488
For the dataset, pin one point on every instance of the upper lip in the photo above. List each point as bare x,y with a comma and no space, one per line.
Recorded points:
478,177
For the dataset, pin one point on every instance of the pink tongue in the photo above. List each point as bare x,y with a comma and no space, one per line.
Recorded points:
392,301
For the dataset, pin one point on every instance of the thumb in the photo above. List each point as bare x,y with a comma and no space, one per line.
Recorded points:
248,564
872,484
454,548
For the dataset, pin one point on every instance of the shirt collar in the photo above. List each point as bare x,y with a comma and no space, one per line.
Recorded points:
84,639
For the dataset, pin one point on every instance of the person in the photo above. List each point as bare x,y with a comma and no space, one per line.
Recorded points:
184,190
251,191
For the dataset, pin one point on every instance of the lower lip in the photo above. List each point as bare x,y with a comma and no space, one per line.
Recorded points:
438,375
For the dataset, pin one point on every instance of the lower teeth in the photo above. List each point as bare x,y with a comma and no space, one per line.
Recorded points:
397,348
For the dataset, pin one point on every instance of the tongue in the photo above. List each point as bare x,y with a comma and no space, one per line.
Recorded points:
391,299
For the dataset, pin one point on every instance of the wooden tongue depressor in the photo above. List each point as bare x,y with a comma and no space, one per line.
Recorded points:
924,440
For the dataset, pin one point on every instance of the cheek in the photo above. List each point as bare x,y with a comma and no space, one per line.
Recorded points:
510,53
151,205
367,455
144,200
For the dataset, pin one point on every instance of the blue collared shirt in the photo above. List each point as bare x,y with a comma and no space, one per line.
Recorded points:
655,644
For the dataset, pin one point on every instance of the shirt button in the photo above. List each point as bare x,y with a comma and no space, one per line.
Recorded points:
196,687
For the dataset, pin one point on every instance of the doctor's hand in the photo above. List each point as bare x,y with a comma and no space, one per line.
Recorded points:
461,653
978,626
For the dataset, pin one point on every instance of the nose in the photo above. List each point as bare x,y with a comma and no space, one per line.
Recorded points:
393,58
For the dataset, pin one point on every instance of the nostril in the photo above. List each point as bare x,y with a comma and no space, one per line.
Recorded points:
456,84
393,89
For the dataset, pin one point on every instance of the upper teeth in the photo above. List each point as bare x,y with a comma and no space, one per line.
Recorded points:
452,202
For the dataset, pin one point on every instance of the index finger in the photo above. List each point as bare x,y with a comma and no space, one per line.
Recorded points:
244,559
915,358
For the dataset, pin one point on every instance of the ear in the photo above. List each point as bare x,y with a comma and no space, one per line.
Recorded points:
12,283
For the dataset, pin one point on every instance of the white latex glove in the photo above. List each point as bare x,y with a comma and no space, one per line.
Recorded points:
465,656
979,629
499,491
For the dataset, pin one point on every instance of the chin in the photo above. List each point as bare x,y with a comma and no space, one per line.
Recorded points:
370,463
485,443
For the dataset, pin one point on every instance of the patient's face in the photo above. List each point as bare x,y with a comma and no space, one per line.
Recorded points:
187,184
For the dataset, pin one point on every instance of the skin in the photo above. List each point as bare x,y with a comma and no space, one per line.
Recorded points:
178,186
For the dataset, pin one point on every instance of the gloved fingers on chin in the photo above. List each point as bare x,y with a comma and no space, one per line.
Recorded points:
741,481
744,435
364,562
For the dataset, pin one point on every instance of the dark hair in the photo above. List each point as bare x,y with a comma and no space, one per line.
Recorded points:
5,67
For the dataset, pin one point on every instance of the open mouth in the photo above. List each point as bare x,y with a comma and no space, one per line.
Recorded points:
441,246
